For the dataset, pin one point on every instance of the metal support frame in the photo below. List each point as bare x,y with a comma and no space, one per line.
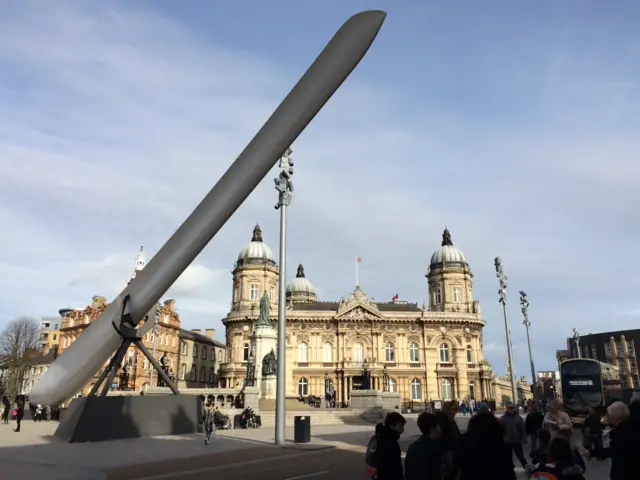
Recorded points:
131,334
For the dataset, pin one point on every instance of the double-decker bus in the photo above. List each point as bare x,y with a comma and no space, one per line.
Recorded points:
588,383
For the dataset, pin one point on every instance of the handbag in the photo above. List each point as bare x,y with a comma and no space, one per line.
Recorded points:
14,413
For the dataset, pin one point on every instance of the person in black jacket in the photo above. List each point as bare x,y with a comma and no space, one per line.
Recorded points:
425,455
450,431
532,424
383,459
481,451
625,440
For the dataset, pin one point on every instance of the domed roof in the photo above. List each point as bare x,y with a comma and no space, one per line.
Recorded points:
256,248
447,253
300,284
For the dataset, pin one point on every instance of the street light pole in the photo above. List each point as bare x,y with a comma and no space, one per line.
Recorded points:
284,186
502,293
576,337
524,303
156,323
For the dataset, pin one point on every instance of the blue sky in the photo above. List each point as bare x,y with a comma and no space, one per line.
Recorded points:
513,124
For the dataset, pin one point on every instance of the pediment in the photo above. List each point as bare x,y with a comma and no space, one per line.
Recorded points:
358,312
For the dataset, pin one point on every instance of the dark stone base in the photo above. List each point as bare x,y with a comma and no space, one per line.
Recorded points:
98,419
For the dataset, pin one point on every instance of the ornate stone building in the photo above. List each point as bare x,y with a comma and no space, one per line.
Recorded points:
430,353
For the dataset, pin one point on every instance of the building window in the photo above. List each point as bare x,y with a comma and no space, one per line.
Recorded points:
444,353
213,354
447,390
393,385
203,373
194,372
472,390
327,352
437,296
195,350
594,352
245,352
184,349
272,294
358,353
204,352
416,389
414,353
236,294
303,387
166,318
469,354
211,375
183,371
253,292
456,295
145,364
303,353
390,353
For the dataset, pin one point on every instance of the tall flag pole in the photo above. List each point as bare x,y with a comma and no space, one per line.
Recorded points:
358,260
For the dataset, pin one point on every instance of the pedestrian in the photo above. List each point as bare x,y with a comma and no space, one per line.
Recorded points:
19,413
576,451
532,424
481,451
625,440
592,434
209,423
560,466
514,431
5,413
555,419
541,455
425,454
450,430
383,459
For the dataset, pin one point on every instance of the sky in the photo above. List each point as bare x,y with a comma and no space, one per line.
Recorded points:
515,124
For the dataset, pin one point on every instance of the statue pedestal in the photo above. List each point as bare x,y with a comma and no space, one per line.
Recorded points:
268,387
263,340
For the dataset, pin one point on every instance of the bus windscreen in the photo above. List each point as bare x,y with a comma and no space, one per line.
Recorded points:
581,386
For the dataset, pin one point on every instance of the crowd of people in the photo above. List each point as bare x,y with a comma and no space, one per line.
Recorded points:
488,447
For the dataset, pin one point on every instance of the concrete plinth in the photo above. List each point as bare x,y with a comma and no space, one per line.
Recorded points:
268,387
368,399
97,419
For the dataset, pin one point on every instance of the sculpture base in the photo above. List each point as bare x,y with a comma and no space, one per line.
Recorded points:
98,419
268,387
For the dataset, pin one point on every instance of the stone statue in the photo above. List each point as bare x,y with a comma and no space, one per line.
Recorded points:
265,305
284,184
269,364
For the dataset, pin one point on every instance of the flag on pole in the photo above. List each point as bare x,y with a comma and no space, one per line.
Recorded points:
358,259
395,297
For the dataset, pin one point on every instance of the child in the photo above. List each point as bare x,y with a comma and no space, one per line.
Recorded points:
560,465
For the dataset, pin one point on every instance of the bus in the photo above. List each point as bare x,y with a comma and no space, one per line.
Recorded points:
587,383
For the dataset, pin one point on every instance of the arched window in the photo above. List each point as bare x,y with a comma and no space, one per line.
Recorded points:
194,372
184,348
195,350
416,389
390,352
393,385
469,354
447,390
327,352
303,352
414,352
203,373
183,371
211,375
472,390
204,352
245,352
303,387
444,353
358,353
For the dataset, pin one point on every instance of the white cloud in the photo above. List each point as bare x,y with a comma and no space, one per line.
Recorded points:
117,120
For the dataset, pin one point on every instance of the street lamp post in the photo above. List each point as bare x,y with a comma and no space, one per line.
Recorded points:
385,378
284,186
502,293
576,338
156,323
524,304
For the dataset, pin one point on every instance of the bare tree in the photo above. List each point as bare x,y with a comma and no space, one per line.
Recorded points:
18,345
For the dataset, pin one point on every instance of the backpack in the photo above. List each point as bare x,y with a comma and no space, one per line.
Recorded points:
448,468
371,459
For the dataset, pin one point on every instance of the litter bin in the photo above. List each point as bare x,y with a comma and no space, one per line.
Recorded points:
302,429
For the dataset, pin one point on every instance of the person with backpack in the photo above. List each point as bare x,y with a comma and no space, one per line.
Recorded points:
383,459
425,454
